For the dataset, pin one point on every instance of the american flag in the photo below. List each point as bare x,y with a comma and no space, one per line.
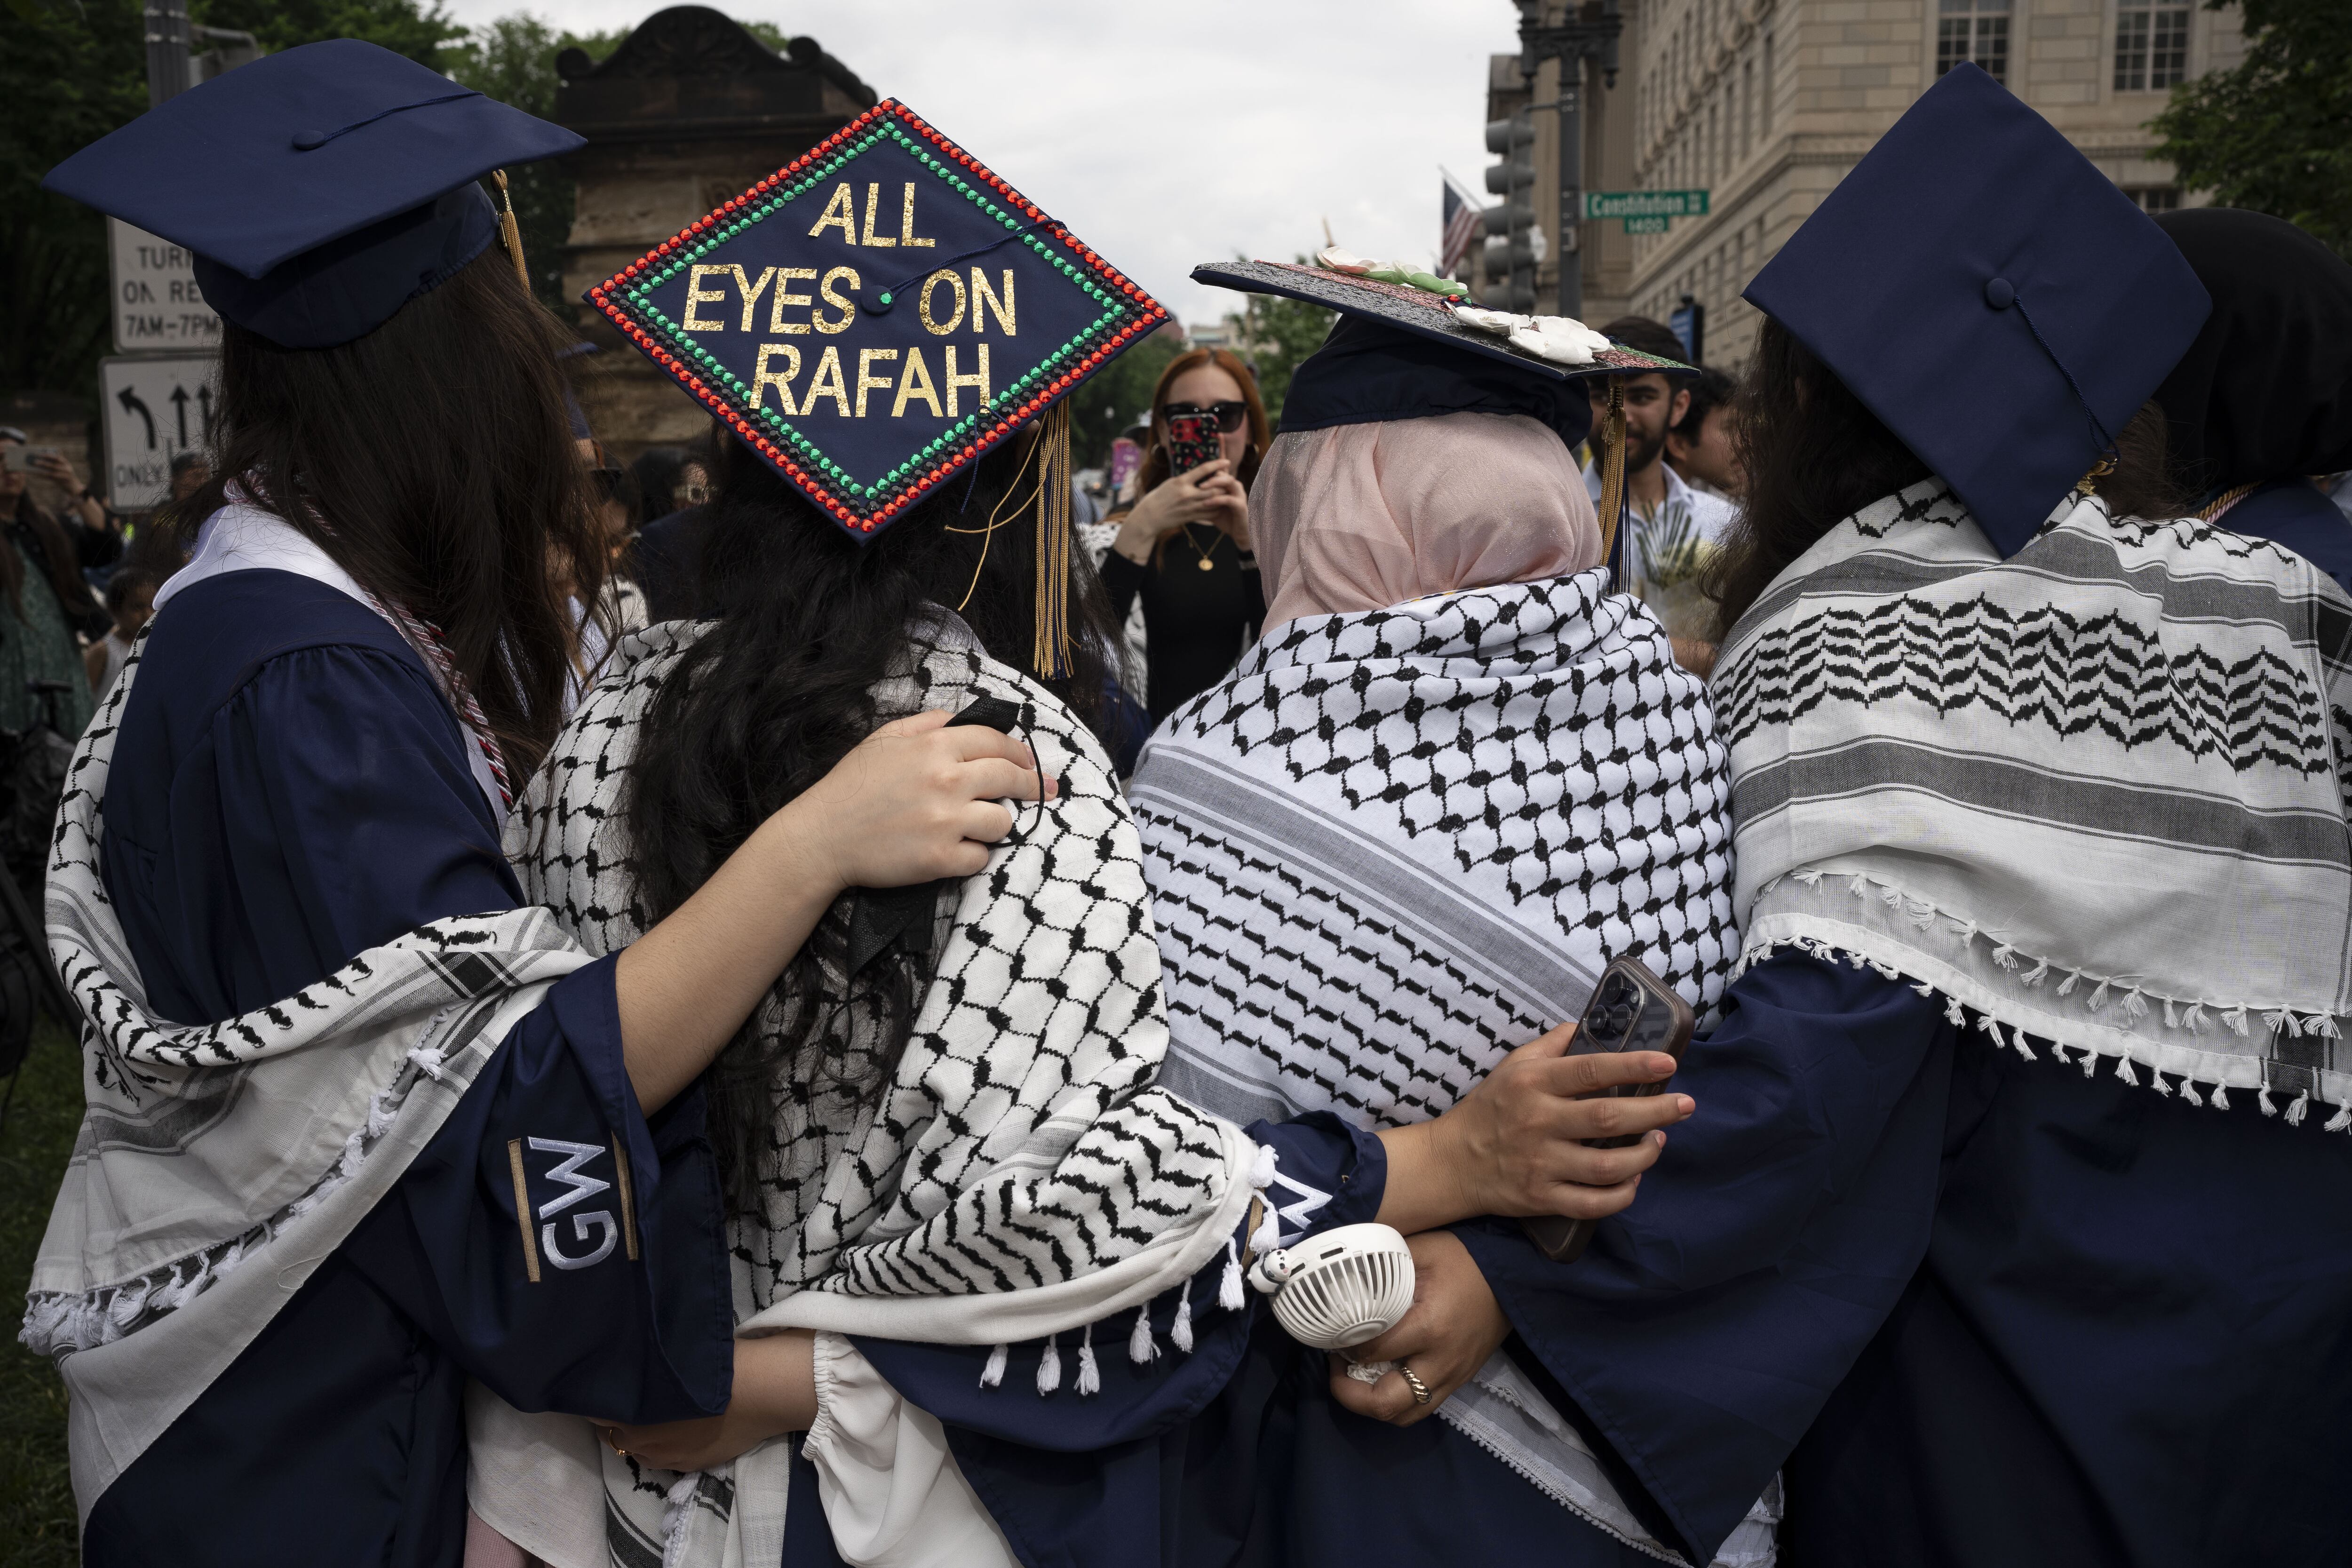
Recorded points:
1461,226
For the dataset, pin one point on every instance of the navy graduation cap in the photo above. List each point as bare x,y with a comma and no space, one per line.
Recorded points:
1991,296
318,189
875,315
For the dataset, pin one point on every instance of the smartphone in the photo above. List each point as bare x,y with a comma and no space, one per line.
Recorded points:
881,916
1191,441
1631,1010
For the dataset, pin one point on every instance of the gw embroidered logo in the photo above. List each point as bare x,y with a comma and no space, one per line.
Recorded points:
595,1231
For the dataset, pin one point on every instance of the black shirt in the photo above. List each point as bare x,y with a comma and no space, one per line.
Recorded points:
1196,622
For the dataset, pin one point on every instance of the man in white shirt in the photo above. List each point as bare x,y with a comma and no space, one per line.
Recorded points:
1669,529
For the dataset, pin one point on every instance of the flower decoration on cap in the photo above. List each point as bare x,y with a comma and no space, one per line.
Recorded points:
1331,259
1563,340
877,314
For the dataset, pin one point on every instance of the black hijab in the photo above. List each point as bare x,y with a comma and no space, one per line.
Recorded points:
2265,391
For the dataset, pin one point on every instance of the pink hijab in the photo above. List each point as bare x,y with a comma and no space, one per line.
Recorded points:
1362,517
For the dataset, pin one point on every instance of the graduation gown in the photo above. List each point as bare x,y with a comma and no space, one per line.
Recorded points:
1985,1311
288,789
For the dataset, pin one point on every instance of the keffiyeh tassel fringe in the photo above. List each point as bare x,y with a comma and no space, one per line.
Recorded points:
2135,1003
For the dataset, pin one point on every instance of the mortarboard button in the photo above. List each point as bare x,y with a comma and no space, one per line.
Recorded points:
311,140
1970,202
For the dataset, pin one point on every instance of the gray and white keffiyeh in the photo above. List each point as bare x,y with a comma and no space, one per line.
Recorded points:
217,1166
2095,794
1021,1174
1394,846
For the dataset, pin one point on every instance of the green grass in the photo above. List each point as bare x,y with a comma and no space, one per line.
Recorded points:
37,1510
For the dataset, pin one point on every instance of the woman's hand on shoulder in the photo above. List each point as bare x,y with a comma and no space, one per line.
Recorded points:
1454,1325
775,1393
913,802
1517,1144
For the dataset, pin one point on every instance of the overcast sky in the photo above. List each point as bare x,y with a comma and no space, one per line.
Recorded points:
1167,134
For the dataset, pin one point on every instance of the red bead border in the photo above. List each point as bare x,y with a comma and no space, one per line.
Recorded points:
1150,316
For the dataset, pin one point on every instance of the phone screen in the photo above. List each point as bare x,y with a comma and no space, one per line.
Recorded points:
1191,441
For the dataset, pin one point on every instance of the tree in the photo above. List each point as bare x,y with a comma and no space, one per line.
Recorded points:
2275,135
1111,398
512,59
1280,333
77,70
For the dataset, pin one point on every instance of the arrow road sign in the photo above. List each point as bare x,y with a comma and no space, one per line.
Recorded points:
131,405
140,446
157,306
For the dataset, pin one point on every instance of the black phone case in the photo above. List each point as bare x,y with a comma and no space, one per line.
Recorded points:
881,916
1631,1010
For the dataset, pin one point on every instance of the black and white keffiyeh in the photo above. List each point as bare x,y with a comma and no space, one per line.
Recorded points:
217,1166
2093,794
1021,1174
1394,846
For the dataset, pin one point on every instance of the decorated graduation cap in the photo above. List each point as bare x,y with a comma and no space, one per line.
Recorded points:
1407,346
1991,297
875,315
319,190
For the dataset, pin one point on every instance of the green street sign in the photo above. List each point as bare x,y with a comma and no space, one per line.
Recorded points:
1644,204
1646,224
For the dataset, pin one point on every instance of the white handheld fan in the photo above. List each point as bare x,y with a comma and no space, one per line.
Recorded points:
1348,1285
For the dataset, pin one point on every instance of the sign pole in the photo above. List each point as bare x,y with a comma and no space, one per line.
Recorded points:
167,50
1586,32
1571,181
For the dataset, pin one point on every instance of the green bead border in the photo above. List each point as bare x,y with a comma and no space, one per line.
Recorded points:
639,296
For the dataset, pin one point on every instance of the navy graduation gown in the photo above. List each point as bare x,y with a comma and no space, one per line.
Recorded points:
2298,515
1992,1312
288,789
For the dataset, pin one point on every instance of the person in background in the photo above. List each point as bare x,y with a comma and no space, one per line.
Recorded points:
669,545
1699,447
191,471
129,601
2262,402
1669,531
657,474
1182,550
617,504
40,574
95,534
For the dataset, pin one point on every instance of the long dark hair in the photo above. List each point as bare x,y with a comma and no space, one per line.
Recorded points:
56,558
808,622
433,459
1815,456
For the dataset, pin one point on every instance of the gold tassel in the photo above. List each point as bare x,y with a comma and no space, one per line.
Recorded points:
1612,467
510,231
1050,654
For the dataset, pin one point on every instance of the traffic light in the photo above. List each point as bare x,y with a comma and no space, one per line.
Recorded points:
1509,269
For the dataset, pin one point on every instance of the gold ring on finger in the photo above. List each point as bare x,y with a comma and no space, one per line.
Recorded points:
1412,1381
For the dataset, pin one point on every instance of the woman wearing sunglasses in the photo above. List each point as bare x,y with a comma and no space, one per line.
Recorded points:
1184,547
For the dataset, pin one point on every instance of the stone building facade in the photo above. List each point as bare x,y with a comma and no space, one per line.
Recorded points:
1767,103
688,110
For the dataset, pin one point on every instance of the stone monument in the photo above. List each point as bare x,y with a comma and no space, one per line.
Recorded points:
688,110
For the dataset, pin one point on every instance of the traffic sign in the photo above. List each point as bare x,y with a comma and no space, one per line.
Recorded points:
157,305
156,406
1644,204
1646,226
